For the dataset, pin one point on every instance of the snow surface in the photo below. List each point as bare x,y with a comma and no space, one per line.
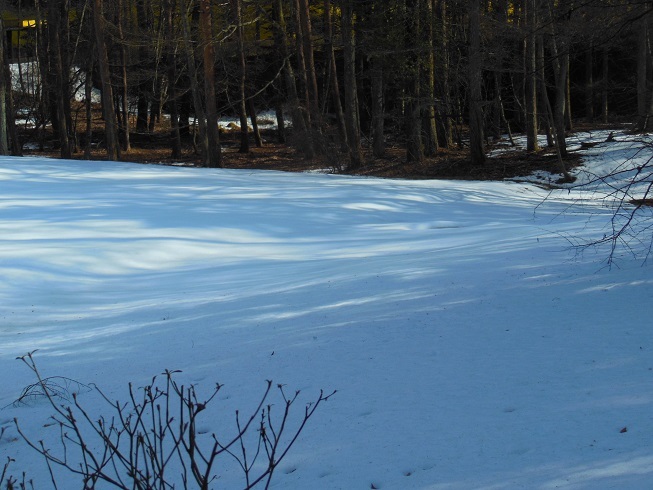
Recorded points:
471,345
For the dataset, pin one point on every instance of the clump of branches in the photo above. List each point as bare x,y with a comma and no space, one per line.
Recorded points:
630,190
153,440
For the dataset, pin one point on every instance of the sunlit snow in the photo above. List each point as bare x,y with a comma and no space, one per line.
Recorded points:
472,343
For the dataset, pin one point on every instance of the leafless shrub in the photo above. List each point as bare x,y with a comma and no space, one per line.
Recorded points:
630,194
152,441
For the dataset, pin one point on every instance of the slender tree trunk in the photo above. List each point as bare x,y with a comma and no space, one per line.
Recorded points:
414,150
111,133
605,85
560,52
589,84
171,62
642,75
251,111
144,85
307,47
206,37
200,113
16,146
546,117
569,122
530,72
476,133
378,113
446,139
281,122
301,64
236,10
333,74
124,85
300,123
351,96
59,91
5,87
430,126
561,102
88,105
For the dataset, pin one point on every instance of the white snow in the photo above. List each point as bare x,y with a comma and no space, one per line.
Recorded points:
471,345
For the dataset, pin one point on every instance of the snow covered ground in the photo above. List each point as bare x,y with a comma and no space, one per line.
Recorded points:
470,344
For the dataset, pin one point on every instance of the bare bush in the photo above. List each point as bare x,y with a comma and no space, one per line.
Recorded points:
630,194
153,440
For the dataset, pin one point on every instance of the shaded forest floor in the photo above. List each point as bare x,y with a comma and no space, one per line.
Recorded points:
452,163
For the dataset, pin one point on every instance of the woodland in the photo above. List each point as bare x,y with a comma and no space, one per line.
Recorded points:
418,88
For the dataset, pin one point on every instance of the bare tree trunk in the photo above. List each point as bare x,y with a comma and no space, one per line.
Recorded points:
546,119
642,75
476,133
300,123
236,11
378,113
301,64
589,84
175,135
414,150
333,74
200,113
569,122
561,103
124,106
88,105
144,85
430,126
206,37
307,47
560,52
446,140
111,133
4,89
530,72
351,96
57,76
605,85
251,111
16,146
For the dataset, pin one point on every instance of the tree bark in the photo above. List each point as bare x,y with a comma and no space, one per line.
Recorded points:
378,114
300,123
446,135
171,62
198,103
236,9
301,64
333,74
4,89
476,133
605,85
57,74
589,84
642,75
430,126
351,96
530,72
560,51
412,108
251,112
124,85
546,117
111,133
208,50
144,85
307,47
